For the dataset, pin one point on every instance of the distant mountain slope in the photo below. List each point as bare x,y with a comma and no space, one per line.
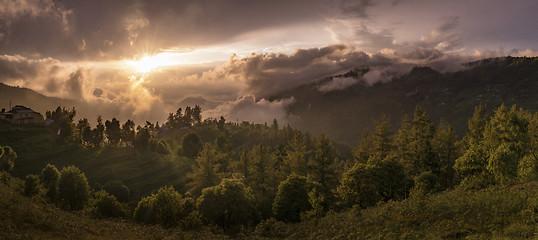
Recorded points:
30,98
344,114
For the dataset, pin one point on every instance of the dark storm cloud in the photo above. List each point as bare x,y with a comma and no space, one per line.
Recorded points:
80,29
74,84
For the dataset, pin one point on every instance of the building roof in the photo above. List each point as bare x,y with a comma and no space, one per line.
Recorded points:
21,109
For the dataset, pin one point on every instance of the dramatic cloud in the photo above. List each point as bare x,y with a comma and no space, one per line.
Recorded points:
247,108
92,51
338,84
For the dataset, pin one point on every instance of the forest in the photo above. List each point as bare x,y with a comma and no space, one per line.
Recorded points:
219,178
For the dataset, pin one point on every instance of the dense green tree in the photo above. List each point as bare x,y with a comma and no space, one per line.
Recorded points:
243,166
528,165
359,186
7,158
229,205
191,145
205,173
403,143
471,165
382,179
104,205
425,183
364,150
444,145
168,206
322,168
73,189
164,208
476,126
263,180
222,143
497,156
292,199
423,157
49,177
296,155
382,136
113,131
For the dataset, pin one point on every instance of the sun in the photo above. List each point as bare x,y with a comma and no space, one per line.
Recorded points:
148,63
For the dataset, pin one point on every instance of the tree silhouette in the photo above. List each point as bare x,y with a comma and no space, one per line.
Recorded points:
113,131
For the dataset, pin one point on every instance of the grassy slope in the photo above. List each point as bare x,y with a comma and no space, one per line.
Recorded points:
36,147
23,217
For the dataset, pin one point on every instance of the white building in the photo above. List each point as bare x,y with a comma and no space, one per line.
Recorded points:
20,115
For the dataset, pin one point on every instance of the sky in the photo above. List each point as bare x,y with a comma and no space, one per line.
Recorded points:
141,59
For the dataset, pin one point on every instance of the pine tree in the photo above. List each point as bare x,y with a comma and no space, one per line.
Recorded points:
422,156
262,179
322,165
382,136
444,144
205,173
296,156
403,141
364,150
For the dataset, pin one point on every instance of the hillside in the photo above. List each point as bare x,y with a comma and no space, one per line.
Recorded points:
344,114
23,217
30,98
142,172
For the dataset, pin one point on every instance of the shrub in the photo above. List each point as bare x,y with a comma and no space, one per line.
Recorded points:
164,208
105,205
31,184
158,146
426,183
144,211
271,228
5,178
73,189
49,178
118,190
7,158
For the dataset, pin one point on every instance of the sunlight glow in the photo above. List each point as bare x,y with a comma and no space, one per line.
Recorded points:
148,63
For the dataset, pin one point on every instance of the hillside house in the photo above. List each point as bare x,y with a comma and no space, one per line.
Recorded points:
20,115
